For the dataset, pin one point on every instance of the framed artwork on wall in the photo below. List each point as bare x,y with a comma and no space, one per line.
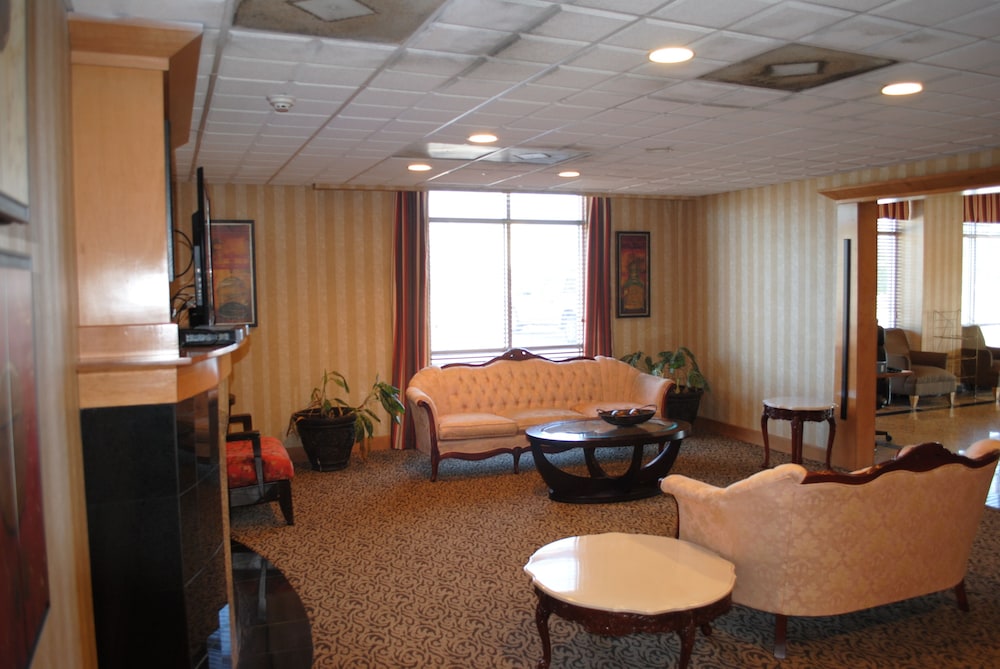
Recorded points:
633,274
234,273
13,113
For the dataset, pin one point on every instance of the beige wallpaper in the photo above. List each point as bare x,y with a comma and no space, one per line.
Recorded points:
747,279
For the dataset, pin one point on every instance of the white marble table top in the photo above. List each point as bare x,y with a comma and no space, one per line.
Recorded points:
634,573
798,403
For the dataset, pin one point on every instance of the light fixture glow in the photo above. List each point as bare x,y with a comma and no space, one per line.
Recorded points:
902,88
569,174
418,167
671,54
483,138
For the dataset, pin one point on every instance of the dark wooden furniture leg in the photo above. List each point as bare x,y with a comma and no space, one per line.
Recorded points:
829,438
542,613
767,445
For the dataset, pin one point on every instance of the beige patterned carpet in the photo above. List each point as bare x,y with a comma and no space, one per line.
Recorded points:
395,571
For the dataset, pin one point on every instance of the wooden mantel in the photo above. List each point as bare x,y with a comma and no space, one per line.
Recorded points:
130,82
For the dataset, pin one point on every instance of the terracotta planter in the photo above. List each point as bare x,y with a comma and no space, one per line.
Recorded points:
328,442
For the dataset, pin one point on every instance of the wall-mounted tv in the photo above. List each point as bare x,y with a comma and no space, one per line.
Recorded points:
201,314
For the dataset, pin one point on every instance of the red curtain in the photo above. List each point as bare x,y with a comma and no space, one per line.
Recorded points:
411,349
982,208
597,301
896,211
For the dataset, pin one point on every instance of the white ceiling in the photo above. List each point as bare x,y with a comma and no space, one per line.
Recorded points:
573,76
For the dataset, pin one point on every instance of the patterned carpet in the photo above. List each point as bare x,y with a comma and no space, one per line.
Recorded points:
397,572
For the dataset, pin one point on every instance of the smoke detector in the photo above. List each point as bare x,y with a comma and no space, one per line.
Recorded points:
281,103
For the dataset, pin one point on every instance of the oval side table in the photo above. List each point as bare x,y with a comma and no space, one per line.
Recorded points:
797,410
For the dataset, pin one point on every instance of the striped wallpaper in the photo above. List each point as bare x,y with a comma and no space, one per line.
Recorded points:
746,279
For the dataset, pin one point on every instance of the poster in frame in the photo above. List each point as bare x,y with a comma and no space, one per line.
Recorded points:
13,112
234,273
633,274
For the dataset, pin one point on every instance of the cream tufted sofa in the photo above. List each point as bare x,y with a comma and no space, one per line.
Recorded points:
475,412
820,544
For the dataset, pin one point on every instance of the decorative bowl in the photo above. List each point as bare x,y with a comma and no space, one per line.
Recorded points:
625,417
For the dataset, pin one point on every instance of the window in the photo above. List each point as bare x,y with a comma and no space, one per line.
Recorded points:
980,277
506,271
887,297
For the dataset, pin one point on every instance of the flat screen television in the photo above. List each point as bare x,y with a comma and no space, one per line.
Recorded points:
202,313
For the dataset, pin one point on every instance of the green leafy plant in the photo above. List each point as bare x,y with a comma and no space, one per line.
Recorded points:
323,404
679,365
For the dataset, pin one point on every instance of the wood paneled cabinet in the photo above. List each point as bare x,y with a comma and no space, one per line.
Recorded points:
156,494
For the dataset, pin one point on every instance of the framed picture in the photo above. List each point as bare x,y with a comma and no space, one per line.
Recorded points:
24,585
633,274
234,273
13,113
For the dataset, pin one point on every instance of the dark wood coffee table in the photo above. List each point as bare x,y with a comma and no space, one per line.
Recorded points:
639,480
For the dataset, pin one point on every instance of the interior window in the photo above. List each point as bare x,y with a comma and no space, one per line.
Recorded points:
980,277
887,298
506,271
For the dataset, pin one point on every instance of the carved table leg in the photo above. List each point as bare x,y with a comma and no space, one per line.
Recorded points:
797,440
686,634
767,445
542,612
829,439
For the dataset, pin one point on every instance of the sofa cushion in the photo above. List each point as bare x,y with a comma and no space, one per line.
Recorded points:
473,425
525,418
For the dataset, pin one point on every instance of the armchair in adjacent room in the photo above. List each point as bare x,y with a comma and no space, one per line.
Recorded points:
980,363
930,374
258,468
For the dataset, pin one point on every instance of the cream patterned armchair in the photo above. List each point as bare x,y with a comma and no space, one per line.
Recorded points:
805,544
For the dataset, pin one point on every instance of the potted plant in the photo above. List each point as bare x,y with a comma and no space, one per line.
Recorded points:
680,365
328,427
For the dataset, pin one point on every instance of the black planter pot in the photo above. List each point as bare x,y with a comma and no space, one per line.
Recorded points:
684,405
327,441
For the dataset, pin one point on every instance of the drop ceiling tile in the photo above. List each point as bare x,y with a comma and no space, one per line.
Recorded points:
456,39
505,70
573,23
980,57
732,47
438,63
253,68
711,13
929,13
541,50
309,73
477,88
385,97
859,34
637,7
211,13
495,14
571,77
406,81
791,20
609,59
984,23
922,43
649,34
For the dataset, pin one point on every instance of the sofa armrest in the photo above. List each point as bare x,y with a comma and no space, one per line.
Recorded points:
649,389
930,358
424,413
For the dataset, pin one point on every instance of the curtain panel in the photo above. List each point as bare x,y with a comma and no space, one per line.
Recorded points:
982,208
896,211
411,349
597,299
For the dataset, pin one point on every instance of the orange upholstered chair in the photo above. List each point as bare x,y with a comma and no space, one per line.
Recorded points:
258,468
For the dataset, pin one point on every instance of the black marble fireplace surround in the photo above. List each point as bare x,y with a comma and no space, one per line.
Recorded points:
154,512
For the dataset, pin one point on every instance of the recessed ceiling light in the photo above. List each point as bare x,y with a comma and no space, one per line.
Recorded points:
671,54
483,138
569,174
902,88
418,167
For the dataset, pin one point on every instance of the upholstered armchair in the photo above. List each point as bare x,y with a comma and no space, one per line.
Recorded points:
810,543
258,468
929,376
980,363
